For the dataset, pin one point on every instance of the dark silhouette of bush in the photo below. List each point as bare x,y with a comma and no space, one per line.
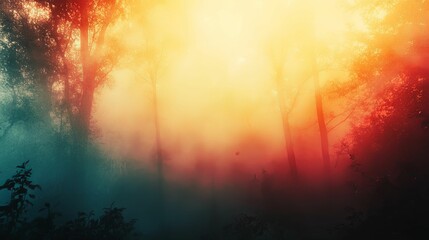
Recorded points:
12,215
15,225
110,225
396,205
246,227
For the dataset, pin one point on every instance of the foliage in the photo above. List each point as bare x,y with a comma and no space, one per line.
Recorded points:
110,225
388,147
15,225
19,185
397,205
41,63
390,174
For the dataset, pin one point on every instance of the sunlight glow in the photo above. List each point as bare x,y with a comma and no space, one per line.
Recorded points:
216,64
36,12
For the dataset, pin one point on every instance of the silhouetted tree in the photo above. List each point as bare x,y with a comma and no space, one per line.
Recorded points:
286,105
390,142
61,49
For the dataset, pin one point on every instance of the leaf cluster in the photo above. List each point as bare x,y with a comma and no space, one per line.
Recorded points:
15,225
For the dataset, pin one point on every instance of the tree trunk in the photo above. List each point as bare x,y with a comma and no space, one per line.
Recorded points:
77,177
159,157
321,119
286,127
317,92
163,228
88,77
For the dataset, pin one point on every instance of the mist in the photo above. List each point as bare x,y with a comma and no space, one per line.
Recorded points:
213,119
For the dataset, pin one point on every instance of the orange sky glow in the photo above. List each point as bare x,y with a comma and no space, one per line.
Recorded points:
214,65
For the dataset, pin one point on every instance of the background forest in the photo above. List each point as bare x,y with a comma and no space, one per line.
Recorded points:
246,119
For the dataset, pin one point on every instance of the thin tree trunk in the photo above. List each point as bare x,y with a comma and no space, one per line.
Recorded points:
80,134
317,93
163,228
89,67
286,127
321,119
88,78
159,157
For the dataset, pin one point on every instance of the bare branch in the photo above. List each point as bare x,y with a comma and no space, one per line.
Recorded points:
342,121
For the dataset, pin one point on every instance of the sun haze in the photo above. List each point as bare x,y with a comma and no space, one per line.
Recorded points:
213,66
